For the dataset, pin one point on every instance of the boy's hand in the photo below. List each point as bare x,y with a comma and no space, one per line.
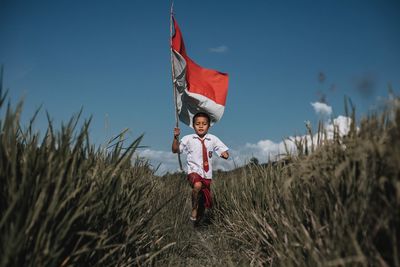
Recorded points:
177,132
225,155
175,141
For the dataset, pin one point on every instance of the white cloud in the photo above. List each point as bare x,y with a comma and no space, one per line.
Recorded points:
322,109
166,161
264,150
342,125
267,150
219,49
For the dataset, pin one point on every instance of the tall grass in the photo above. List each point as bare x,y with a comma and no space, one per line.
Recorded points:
64,202
336,206
335,203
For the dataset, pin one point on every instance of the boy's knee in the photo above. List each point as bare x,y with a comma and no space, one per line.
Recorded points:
197,186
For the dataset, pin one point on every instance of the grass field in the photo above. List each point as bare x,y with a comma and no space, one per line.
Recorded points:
66,202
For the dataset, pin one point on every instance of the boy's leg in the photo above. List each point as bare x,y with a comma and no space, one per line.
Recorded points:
195,198
196,183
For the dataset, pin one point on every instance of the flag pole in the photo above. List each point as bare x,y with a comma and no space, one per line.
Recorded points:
173,81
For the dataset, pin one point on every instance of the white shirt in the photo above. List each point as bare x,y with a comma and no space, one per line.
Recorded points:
191,145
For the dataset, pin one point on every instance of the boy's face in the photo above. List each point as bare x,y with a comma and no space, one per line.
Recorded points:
201,126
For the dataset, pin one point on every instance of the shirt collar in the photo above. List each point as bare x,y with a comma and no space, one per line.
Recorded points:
206,137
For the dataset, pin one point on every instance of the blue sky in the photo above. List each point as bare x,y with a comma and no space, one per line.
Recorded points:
112,58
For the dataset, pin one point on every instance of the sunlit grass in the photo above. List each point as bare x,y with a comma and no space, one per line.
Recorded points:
66,202
338,205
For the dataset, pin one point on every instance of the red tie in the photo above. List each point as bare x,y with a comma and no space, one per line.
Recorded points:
205,157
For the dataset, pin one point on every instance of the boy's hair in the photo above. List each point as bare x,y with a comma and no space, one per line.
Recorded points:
201,114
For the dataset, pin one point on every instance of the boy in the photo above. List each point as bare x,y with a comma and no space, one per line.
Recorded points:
199,148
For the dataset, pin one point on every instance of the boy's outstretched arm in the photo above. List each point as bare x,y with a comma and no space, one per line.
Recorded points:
175,142
225,155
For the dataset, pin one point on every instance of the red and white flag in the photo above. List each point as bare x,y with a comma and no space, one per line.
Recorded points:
197,89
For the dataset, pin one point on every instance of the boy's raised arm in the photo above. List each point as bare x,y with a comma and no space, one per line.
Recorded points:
175,142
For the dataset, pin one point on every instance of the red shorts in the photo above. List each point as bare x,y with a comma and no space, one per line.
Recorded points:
206,188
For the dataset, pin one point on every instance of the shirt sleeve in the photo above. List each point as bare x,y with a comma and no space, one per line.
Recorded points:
219,146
